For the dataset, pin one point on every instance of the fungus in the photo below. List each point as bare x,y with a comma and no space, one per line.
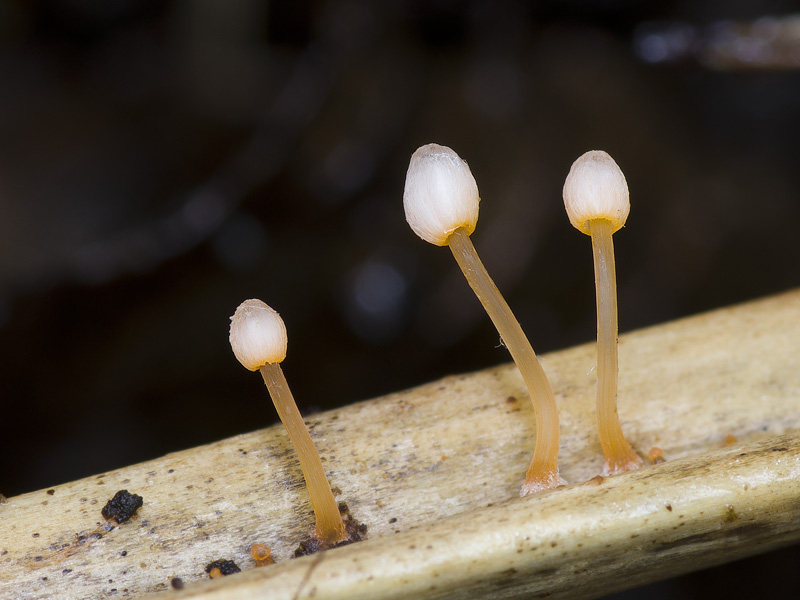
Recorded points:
597,202
258,338
656,455
262,554
441,206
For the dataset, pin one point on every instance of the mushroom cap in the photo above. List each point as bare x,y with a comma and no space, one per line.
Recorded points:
440,194
596,189
258,335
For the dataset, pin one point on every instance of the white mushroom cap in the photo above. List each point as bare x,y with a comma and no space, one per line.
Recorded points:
596,189
258,335
440,194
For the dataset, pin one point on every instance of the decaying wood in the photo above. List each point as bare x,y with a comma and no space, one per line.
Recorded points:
434,473
582,541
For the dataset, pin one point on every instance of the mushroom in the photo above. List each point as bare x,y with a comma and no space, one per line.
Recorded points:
258,338
441,206
262,554
597,202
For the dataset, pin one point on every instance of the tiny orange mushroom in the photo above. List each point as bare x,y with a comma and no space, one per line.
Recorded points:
656,455
262,555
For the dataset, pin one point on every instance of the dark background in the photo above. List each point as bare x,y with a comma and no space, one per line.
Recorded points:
162,161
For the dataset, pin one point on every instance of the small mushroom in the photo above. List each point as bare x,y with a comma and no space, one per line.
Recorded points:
597,202
258,338
262,554
441,206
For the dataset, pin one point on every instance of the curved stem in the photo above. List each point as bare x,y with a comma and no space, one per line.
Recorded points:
543,471
330,527
618,453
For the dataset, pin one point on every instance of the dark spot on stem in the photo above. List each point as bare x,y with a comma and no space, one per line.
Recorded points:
226,567
355,533
730,514
122,506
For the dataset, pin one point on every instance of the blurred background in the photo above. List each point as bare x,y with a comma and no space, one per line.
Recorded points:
162,161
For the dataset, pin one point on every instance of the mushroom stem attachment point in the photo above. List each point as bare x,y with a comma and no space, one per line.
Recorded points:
330,528
619,455
543,470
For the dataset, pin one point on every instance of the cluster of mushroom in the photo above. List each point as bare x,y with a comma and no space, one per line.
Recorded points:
441,206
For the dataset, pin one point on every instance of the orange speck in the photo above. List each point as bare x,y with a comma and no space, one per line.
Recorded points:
730,439
656,455
215,573
262,554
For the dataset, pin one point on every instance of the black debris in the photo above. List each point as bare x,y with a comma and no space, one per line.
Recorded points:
122,506
226,567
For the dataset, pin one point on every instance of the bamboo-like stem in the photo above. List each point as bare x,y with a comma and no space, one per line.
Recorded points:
694,510
439,466
619,456
543,470
329,527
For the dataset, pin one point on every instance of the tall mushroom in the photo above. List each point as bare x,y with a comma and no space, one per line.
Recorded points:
597,202
258,338
441,206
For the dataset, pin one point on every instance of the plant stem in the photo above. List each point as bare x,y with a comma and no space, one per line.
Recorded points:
618,452
330,527
543,470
